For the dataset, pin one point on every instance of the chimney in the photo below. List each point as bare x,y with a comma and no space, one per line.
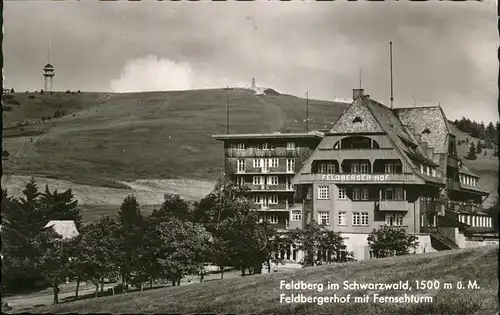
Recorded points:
357,93
430,153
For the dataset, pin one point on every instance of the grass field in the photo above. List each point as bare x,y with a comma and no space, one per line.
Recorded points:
261,293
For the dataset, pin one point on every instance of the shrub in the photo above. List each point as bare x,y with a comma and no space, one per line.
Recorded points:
41,92
388,241
12,91
31,96
5,154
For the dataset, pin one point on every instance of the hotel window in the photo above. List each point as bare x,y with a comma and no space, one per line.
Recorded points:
265,146
355,168
330,168
324,218
290,145
389,168
240,180
296,215
474,182
428,171
258,180
257,163
257,199
323,192
364,218
273,219
421,169
273,199
356,194
364,168
394,219
274,163
241,166
398,193
272,180
388,194
342,218
365,194
360,218
290,165
241,146
322,168
433,172
342,193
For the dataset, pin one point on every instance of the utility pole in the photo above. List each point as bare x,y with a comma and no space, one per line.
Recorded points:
227,111
392,90
360,77
307,112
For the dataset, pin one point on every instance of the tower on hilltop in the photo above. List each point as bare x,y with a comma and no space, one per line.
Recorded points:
253,84
48,74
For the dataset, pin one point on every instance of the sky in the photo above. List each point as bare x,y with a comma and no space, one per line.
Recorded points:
443,53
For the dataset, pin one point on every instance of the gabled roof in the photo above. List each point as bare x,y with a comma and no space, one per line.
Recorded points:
431,118
465,170
66,228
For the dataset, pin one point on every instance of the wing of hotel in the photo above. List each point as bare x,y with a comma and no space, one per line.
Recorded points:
375,167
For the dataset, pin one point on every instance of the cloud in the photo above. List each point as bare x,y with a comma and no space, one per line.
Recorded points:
152,73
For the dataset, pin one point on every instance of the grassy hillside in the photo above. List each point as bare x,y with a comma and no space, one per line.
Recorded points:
261,293
145,135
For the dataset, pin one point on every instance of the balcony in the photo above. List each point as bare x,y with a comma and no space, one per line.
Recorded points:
279,187
343,154
395,227
277,152
464,207
281,169
391,205
354,178
284,206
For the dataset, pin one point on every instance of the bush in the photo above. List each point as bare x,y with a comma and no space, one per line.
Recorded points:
57,114
5,154
68,91
7,97
31,96
388,241
12,91
41,92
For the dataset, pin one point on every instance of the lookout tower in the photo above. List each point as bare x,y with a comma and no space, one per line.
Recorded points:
253,84
48,74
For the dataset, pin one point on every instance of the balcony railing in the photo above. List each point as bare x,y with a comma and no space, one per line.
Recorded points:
355,178
285,206
391,205
277,152
395,227
388,153
283,168
465,207
279,187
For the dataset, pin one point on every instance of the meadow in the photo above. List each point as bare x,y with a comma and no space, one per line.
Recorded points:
261,293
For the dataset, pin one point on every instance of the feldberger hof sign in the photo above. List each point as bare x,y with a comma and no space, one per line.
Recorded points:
357,177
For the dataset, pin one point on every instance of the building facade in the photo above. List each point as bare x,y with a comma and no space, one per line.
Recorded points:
375,167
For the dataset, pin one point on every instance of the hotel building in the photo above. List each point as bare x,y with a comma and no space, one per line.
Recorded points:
375,167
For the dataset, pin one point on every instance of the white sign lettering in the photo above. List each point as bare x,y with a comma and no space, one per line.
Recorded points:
357,177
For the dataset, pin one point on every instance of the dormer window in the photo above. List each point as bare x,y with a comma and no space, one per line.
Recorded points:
357,119
426,131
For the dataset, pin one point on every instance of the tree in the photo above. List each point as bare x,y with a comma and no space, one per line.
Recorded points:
388,241
41,92
5,154
97,254
479,147
182,248
173,206
131,235
51,259
12,90
60,206
472,152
